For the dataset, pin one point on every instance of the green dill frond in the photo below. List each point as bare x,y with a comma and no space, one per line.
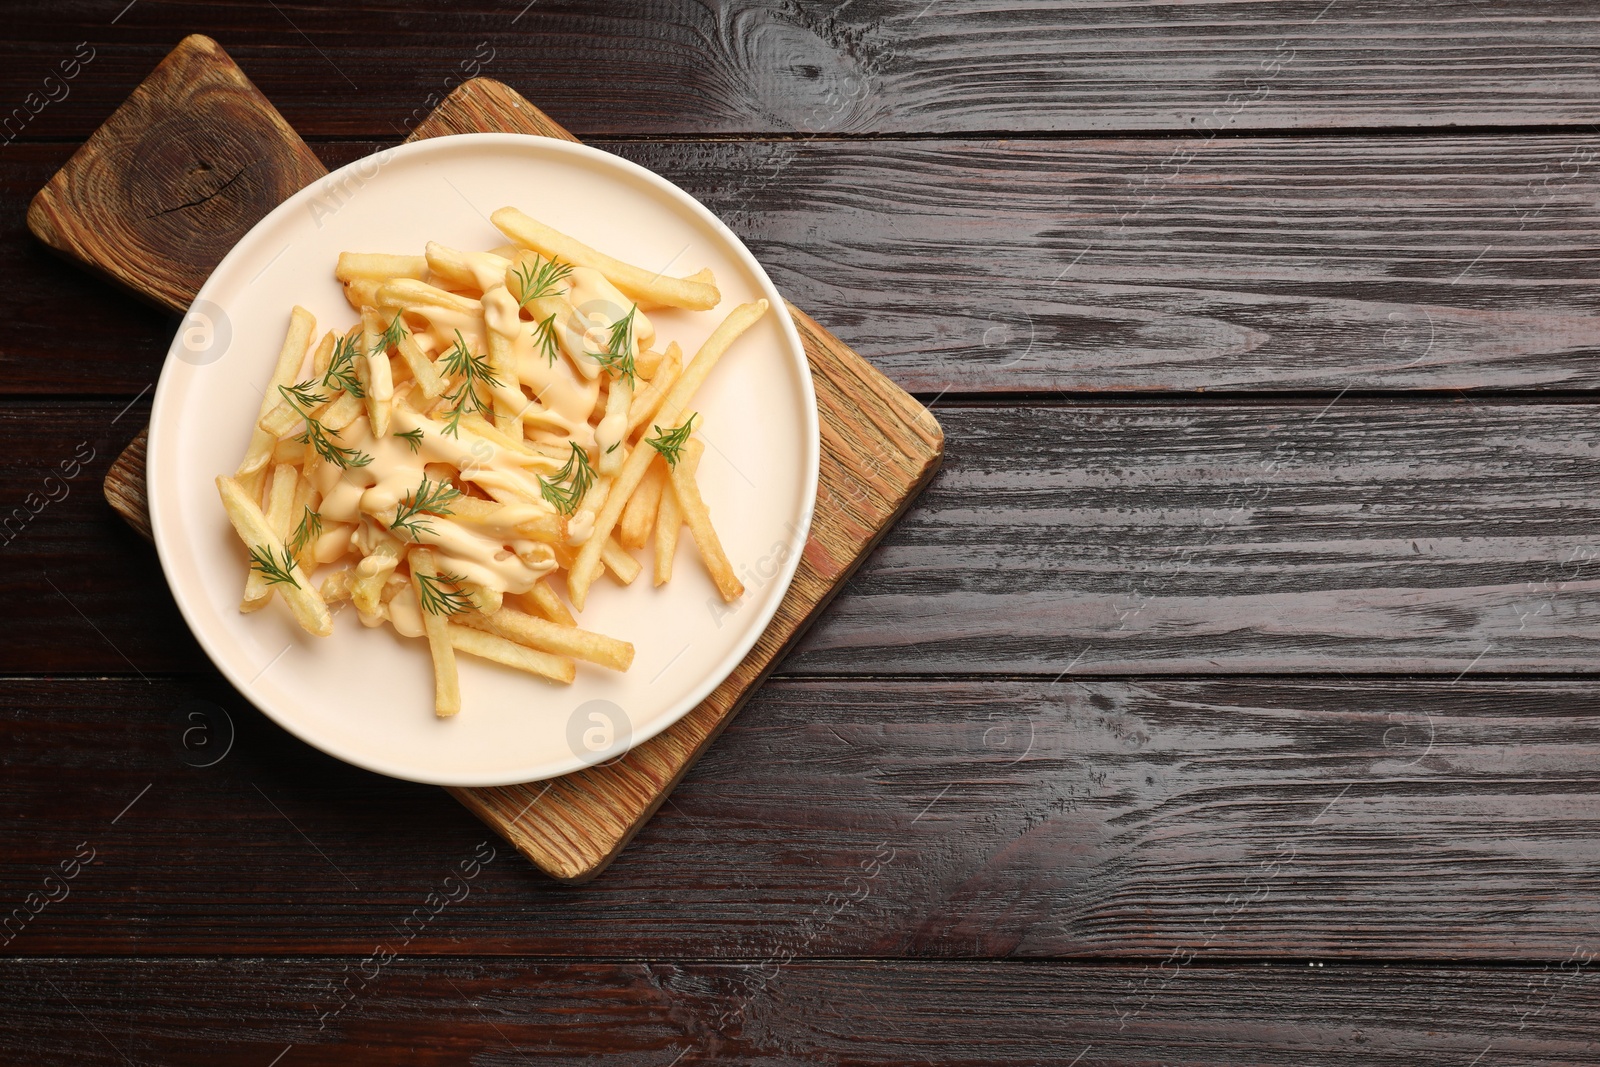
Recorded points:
578,475
544,335
342,368
317,437
543,280
431,498
392,336
670,442
618,357
437,600
412,438
303,395
309,530
271,570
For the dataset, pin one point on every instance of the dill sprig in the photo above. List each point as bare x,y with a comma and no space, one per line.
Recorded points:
472,369
341,372
392,336
303,395
544,280
316,436
412,438
430,499
437,600
544,335
309,530
274,572
577,473
618,356
670,442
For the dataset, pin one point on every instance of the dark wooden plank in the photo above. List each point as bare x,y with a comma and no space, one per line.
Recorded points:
1213,819
416,1013
1273,264
1254,263
864,66
1097,538
180,171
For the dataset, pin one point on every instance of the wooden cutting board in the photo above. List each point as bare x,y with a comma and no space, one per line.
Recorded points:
196,156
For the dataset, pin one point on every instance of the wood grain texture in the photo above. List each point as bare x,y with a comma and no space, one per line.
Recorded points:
883,447
1220,819
1271,264
1214,538
1374,263
643,67
415,1012
181,170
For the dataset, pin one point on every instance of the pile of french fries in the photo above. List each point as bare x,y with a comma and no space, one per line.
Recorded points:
497,428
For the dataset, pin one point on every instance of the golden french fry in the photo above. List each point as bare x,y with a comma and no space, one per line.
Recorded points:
633,529
336,586
698,518
619,563
301,326
465,270
268,553
288,450
647,363
487,601
703,276
280,509
669,519
543,599
647,400
341,413
379,266
586,566
409,293
498,649
635,283
427,376
446,683
548,636
372,371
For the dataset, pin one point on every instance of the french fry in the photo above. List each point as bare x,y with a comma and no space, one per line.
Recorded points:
698,518
280,509
284,415
613,429
446,683
268,549
639,515
543,599
619,563
703,276
585,567
647,363
499,650
379,266
635,283
647,400
301,326
341,413
409,293
372,371
426,375
669,520
362,292
465,270
548,636
486,600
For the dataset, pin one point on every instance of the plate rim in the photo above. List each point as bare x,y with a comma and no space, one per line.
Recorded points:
810,446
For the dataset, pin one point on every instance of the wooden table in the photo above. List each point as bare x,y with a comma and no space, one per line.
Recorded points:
1228,699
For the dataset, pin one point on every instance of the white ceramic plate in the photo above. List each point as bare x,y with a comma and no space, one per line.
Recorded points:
366,696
